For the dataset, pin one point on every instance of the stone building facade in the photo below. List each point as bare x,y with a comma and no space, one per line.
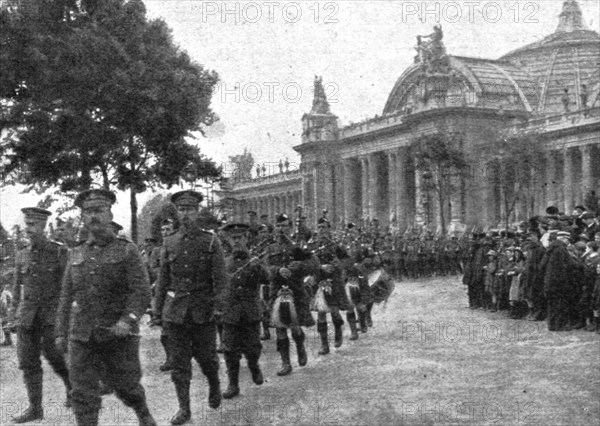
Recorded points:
367,170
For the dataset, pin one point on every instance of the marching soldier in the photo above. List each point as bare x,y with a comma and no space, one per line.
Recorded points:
242,309
166,229
189,298
288,265
36,290
265,237
105,291
329,277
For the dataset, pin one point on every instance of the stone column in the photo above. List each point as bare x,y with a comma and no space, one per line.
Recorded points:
307,193
339,183
401,190
364,163
587,180
392,187
374,188
349,192
551,193
456,207
568,181
419,210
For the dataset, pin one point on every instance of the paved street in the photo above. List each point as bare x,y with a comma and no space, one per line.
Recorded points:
428,360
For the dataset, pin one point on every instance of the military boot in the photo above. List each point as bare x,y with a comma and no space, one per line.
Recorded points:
368,315
87,418
300,349
144,416
33,383
257,376
322,329
184,414
214,390
233,373
283,346
351,318
362,319
339,335
168,364
65,377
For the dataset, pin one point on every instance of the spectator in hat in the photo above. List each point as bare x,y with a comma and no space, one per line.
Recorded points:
533,279
490,298
557,266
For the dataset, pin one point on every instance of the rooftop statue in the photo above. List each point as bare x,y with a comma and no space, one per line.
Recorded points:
431,54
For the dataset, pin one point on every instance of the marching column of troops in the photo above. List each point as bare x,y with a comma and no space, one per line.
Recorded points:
81,306
549,269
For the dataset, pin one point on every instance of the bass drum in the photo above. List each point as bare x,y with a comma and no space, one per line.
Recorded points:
382,285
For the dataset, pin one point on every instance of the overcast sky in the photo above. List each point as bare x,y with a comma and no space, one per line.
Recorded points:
267,54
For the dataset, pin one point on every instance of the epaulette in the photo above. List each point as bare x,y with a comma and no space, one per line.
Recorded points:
56,243
121,238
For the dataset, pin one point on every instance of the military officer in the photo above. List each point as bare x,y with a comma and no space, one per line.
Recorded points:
242,314
189,297
36,290
105,291
288,266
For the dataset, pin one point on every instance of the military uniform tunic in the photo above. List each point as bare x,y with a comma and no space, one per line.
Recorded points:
105,282
282,255
242,307
36,292
190,290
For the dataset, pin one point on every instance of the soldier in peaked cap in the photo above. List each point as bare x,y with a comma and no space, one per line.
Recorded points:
242,309
36,290
189,298
105,291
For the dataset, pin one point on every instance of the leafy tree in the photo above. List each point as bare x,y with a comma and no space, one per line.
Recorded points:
512,159
96,92
440,159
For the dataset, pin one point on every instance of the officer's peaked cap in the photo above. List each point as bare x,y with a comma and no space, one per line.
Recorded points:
116,226
95,197
36,213
236,228
187,198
